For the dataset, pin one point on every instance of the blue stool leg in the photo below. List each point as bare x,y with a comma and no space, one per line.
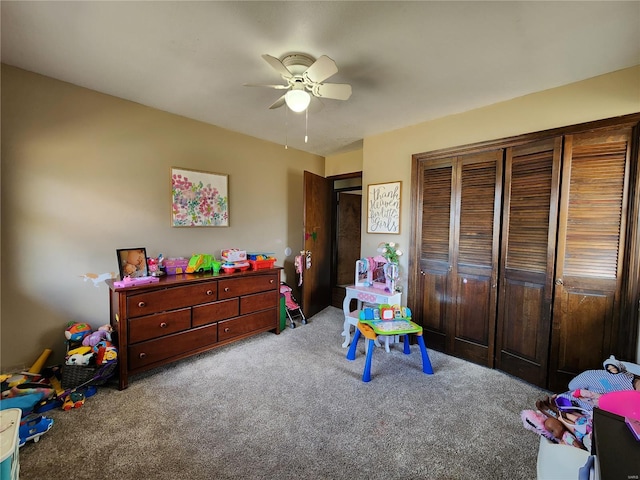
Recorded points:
407,348
366,375
351,354
426,363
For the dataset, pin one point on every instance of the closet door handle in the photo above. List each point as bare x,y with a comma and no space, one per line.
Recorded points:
559,282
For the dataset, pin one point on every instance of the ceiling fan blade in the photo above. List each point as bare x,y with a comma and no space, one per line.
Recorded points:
278,103
337,91
321,69
278,66
277,87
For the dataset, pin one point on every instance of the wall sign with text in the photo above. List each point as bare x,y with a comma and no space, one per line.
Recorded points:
383,207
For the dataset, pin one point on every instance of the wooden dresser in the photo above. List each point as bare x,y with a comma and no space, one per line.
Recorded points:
183,315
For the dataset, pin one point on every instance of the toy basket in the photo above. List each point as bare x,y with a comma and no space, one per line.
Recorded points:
74,376
261,264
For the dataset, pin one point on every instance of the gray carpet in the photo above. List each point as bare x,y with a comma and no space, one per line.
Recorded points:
291,406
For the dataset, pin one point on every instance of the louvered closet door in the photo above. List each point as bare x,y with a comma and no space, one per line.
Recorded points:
476,247
591,241
530,215
436,246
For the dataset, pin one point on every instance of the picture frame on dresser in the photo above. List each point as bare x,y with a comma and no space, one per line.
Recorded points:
199,199
132,262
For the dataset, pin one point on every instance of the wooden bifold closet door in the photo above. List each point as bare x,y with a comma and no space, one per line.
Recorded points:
591,241
459,253
530,214
526,271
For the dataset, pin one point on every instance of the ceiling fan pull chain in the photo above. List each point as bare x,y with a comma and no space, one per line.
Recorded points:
286,130
306,124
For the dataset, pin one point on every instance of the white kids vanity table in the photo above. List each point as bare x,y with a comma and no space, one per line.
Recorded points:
375,285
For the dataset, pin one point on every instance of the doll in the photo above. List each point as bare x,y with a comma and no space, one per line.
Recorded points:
561,433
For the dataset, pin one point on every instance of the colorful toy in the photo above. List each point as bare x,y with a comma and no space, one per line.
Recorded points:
202,263
106,353
33,426
73,400
79,356
75,332
230,267
37,366
95,337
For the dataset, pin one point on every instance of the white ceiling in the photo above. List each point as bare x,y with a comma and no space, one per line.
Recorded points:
407,62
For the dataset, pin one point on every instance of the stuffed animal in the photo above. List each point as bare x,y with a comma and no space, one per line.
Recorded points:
79,359
94,338
75,332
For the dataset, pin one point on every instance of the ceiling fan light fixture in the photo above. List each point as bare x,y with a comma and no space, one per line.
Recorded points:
297,100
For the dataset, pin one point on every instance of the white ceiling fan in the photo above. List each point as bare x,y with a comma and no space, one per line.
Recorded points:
304,76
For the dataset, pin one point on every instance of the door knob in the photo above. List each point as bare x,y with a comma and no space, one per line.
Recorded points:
559,282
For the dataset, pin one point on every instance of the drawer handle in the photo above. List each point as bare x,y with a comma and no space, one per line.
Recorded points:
226,330
271,281
142,304
163,325
142,355
226,289
209,292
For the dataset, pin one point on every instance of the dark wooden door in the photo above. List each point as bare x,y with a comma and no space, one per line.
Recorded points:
591,241
347,246
460,228
316,284
530,215
435,250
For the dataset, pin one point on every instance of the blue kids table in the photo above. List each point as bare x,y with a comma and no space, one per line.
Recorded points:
370,329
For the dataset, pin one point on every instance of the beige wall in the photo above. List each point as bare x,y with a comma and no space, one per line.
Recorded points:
387,157
85,173
348,162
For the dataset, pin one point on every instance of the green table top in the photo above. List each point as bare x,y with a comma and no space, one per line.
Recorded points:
393,327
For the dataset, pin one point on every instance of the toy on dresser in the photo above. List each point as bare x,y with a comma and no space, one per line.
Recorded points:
234,259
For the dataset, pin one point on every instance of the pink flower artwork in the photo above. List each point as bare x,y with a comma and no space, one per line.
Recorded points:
199,199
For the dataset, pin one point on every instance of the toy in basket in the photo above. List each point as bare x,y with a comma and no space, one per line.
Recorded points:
92,362
259,261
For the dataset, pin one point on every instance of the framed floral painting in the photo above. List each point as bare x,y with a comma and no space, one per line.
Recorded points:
199,199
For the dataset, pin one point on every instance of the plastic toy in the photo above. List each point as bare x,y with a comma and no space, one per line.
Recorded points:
75,332
33,426
105,353
202,263
230,267
132,282
73,400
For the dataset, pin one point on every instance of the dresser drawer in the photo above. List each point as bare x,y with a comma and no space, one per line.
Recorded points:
152,351
246,323
259,301
212,312
159,325
171,298
234,287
